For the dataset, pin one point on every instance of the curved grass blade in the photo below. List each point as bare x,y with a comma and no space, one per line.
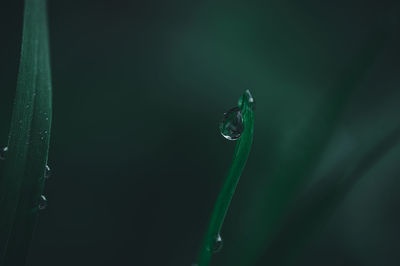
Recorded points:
24,168
240,156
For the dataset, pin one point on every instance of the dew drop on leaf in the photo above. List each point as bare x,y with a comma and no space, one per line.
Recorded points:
3,151
218,244
247,98
231,126
47,173
42,202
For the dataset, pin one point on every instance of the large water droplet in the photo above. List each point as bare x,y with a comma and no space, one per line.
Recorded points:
42,202
218,244
231,126
47,173
3,151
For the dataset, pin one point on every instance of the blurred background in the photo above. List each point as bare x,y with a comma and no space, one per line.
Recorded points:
137,158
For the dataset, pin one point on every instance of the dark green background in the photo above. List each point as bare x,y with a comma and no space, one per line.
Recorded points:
137,159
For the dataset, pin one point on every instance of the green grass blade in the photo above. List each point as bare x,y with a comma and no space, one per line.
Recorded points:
240,156
22,182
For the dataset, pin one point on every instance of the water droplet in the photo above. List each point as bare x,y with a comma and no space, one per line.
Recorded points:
218,244
247,98
3,151
47,173
231,126
42,203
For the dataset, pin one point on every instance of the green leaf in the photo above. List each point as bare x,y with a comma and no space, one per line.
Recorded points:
24,167
241,153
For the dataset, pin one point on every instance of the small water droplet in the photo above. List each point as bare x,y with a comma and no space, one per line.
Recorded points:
248,98
3,152
231,126
218,244
42,203
47,173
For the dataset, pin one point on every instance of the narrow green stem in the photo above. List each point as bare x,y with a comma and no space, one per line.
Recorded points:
240,156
